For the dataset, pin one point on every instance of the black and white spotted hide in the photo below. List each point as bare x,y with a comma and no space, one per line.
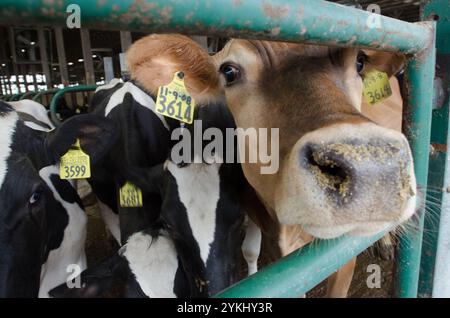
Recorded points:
42,223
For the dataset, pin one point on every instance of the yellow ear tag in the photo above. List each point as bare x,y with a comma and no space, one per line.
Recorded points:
174,100
75,164
130,196
376,87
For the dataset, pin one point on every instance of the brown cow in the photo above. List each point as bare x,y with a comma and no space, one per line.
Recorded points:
339,172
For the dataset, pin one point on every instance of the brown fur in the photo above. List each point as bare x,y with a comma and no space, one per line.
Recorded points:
154,59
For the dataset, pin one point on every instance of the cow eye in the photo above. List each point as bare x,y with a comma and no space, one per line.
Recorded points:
360,61
35,198
231,73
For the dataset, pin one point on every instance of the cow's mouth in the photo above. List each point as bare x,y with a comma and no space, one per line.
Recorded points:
331,173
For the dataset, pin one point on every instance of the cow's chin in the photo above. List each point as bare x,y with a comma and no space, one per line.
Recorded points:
362,228
356,230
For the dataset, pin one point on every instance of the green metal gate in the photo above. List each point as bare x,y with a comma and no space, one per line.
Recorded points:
308,21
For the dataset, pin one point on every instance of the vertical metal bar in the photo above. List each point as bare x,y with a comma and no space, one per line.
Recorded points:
125,40
87,57
61,56
109,69
435,267
44,57
417,127
441,271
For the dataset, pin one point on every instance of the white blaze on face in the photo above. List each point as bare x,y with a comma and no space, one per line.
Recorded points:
71,251
8,123
199,191
154,263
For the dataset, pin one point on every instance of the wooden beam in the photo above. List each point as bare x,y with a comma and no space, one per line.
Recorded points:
44,57
12,47
87,57
61,56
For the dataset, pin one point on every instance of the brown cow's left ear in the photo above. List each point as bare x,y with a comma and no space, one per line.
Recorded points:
154,59
388,62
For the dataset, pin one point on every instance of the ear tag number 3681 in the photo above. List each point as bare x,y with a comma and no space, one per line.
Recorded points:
130,196
376,87
75,164
174,100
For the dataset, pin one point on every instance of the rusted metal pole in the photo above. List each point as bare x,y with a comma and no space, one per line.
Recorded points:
310,21
417,127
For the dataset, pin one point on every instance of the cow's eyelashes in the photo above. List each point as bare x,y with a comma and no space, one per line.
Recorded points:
360,62
230,72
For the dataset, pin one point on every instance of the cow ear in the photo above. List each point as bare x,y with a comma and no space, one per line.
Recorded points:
96,134
154,59
388,62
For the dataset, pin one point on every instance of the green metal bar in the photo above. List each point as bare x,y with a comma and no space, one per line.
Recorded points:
61,92
300,271
417,127
435,262
310,21
39,94
27,95
15,97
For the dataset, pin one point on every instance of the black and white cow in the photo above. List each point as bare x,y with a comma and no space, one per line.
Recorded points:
42,223
198,224
192,249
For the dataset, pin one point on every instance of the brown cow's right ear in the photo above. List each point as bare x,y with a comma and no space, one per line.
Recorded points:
388,62
154,59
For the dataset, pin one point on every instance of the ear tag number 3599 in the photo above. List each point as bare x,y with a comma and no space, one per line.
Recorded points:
376,87
130,196
174,100
75,164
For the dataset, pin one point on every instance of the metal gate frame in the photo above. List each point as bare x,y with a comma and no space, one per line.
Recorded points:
308,21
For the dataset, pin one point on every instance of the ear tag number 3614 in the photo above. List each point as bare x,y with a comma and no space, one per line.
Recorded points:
75,164
130,196
376,87
174,100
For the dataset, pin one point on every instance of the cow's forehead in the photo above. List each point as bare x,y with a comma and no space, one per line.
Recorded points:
8,123
271,52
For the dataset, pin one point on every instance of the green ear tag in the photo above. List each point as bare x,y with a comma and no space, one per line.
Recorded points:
174,100
376,87
75,164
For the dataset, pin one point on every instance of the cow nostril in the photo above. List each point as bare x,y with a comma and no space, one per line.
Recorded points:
331,172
